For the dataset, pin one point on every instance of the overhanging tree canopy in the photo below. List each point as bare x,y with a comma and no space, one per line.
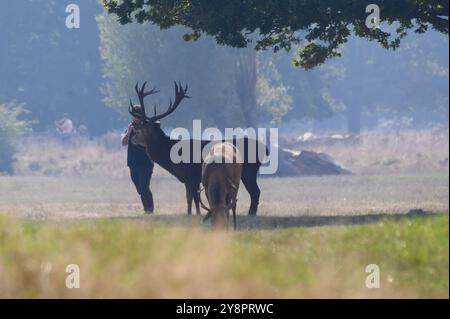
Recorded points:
282,24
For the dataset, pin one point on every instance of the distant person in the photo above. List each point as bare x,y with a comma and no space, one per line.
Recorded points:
141,167
65,126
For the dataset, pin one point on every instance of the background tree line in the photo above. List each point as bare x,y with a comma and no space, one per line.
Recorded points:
90,72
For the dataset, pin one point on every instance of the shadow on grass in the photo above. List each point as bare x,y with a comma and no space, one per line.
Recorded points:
277,222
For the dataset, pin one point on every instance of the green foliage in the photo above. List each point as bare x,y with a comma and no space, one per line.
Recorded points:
214,73
412,82
272,95
280,24
51,68
144,53
11,128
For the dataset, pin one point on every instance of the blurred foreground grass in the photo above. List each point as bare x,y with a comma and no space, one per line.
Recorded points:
144,258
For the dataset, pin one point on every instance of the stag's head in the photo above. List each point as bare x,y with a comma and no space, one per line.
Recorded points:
219,218
148,128
218,214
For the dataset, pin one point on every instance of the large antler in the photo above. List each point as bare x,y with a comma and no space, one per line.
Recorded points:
180,94
141,95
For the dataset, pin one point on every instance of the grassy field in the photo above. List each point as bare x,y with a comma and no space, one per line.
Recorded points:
138,258
70,197
313,238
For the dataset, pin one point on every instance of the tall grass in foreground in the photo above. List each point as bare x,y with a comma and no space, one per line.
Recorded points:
146,259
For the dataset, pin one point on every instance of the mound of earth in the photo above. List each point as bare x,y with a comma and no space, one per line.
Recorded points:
307,163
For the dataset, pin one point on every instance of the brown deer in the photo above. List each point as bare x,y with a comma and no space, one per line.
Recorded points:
158,146
221,174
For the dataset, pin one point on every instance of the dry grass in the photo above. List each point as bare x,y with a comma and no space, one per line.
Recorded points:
382,152
145,259
377,152
98,224
75,197
76,204
77,157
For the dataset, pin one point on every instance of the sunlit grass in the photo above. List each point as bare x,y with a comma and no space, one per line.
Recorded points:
64,197
144,258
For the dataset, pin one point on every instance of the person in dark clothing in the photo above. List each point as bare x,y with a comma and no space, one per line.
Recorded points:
141,168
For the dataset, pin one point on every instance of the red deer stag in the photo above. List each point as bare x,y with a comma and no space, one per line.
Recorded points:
221,174
158,146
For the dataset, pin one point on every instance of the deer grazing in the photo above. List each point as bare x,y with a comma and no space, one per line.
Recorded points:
158,147
221,174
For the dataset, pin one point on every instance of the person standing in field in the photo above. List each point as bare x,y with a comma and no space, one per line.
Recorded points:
65,126
141,167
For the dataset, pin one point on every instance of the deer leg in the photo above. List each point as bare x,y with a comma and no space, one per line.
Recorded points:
234,216
146,194
233,207
249,181
196,196
189,199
